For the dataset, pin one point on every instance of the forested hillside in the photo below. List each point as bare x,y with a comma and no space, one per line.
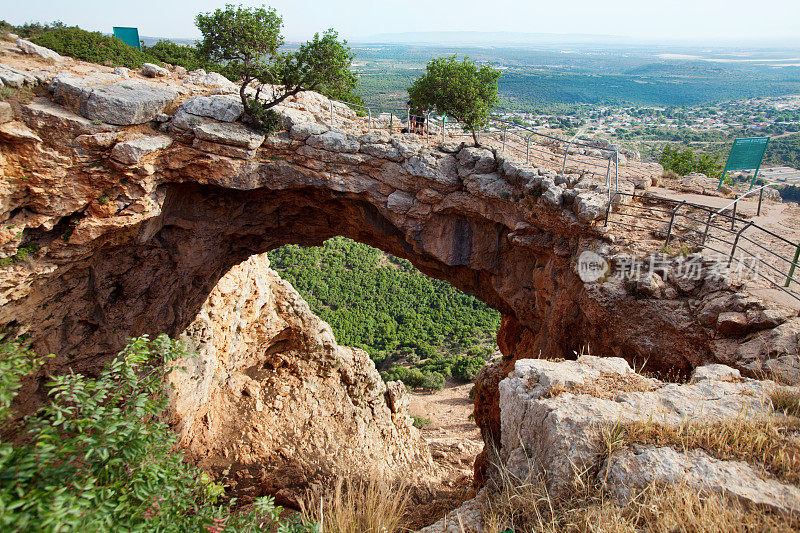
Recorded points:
385,306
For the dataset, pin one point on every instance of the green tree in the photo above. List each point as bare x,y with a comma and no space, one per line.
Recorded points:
463,90
100,455
247,40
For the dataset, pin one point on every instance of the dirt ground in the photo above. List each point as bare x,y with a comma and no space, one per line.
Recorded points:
454,441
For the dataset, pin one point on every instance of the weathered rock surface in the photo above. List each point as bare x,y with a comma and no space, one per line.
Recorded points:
28,47
121,103
226,108
6,113
146,257
274,402
132,151
151,70
551,414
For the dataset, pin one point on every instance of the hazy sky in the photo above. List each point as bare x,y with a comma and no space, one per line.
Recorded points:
654,20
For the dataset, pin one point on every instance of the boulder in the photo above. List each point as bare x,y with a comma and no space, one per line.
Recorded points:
230,134
632,469
30,48
132,151
550,410
18,132
6,113
152,70
210,79
475,160
732,323
334,141
225,108
589,206
123,72
122,103
301,132
16,78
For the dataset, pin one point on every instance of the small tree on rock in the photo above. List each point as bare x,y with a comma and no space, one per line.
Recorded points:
248,40
463,90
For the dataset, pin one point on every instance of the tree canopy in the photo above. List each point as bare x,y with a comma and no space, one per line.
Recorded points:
463,90
248,41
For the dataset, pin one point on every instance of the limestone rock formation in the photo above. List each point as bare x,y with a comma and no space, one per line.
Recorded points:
134,200
274,403
553,416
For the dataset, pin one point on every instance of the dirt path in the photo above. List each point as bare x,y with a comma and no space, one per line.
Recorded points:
454,441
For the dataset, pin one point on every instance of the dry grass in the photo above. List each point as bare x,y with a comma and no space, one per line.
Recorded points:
529,508
786,401
766,443
18,95
608,385
355,504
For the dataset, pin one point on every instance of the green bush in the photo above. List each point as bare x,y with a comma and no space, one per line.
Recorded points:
184,55
420,422
466,368
265,120
94,47
415,378
101,457
433,381
685,162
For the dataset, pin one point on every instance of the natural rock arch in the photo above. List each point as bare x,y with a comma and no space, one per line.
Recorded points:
137,226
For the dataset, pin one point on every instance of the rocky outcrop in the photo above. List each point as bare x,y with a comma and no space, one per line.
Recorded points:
273,405
559,421
139,195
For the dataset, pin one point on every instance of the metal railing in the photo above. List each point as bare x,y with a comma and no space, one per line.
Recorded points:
701,226
774,257
544,150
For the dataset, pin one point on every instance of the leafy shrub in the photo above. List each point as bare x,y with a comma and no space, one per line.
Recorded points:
433,381
420,421
685,162
100,456
184,55
466,368
415,378
22,254
263,119
94,47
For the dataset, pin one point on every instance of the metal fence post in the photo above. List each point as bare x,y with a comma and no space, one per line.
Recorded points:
408,119
708,226
794,264
672,222
391,118
369,112
566,153
736,242
528,149
760,197
331,113
733,219
442,128
504,138
616,169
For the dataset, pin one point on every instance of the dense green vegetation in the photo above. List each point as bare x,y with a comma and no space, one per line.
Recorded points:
686,161
92,46
100,456
784,151
385,306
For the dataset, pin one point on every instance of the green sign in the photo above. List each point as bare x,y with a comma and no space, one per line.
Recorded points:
129,36
746,154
